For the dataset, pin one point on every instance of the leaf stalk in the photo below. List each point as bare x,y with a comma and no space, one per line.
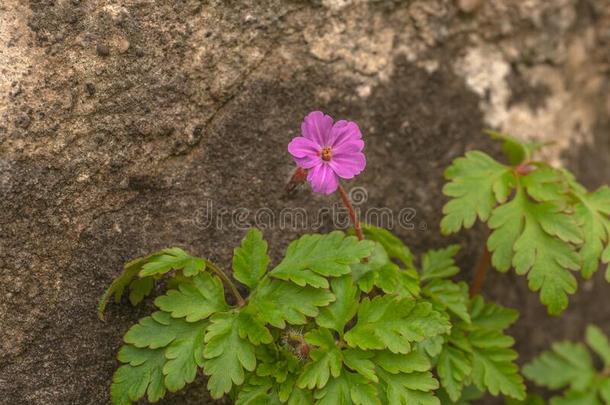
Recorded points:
227,281
351,211
481,273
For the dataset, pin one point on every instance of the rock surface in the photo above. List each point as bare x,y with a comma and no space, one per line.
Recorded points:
123,123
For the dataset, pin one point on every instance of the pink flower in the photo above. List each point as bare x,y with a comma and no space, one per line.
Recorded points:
328,151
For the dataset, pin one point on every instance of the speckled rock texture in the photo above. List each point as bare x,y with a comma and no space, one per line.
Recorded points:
120,121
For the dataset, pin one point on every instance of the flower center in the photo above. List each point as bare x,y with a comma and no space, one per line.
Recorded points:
326,153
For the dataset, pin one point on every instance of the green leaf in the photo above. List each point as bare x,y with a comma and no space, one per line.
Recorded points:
360,362
348,389
394,323
196,299
361,392
469,394
276,362
339,313
391,244
381,272
481,353
337,392
604,389
250,261
252,329
566,364
139,288
433,345
598,341
409,389
487,315
128,279
577,398
325,360
592,212
256,392
493,366
440,263
394,280
515,150
184,356
569,365
394,363
277,302
454,365
452,296
172,259
159,330
227,354
365,273
312,258
300,397
142,374
183,342
283,367
536,238
546,184
477,183
262,391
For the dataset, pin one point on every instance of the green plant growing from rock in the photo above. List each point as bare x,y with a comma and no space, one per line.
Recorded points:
322,326
543,223
357,318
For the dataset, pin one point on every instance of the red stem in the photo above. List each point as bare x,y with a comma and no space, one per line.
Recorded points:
481,273
351,211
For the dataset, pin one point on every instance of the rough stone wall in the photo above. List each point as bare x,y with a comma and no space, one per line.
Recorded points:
120,120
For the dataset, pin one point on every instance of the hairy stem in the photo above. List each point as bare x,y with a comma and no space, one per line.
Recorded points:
481,273
351,211
227,281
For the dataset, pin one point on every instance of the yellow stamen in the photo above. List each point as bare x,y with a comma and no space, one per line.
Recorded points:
326,153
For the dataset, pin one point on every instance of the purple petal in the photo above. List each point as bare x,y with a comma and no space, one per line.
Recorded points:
316,126
345,131
301,147
349,146
308,162
323,179
348,165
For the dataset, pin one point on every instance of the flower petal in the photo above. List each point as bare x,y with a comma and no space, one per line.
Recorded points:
323,179
349,146
316,126
348,165
344,131
308,162
301,147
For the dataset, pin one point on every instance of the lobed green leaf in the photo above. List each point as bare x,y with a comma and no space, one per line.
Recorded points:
393,323
278,302
312,258
172,259
226,354
476,184
195,298
250,260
